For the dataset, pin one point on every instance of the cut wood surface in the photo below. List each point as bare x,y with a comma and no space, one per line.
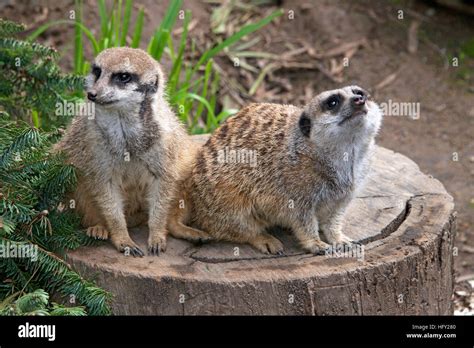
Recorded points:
403,218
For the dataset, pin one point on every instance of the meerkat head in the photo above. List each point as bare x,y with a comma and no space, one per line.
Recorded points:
341,115
122,78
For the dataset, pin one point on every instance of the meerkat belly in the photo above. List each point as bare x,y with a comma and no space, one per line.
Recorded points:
134,184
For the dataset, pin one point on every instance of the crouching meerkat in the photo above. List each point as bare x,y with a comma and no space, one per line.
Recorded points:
307,165
129,154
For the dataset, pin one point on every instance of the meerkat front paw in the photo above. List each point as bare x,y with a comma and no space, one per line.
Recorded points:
315,246
126,245
98,232
157,244
267,244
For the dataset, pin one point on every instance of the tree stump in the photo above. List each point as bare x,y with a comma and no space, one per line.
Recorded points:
403,218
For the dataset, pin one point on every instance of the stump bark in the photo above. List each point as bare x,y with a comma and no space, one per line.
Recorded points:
403,218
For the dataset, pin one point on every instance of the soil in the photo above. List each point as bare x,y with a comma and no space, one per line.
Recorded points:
441,140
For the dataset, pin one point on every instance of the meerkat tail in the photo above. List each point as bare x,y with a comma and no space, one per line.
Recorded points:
179,230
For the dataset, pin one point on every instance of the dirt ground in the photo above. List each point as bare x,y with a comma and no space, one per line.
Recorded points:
379,61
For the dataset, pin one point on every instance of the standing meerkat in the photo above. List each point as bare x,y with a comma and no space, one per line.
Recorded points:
309,162
129,154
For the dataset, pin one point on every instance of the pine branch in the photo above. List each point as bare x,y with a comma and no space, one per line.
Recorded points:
25,46
9,28
30,138
33,182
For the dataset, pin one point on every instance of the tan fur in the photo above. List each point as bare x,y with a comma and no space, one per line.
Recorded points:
301,182
129,155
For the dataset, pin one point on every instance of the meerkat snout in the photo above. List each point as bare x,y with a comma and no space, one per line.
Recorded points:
92,95
358,101
122,78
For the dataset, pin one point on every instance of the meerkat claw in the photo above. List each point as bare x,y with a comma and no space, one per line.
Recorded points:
134,251
154,250
137,252
318,251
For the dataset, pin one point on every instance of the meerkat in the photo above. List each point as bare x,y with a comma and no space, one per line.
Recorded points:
129,154
310,162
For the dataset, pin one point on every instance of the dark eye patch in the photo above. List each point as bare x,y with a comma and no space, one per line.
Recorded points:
305,124
96,71
333,102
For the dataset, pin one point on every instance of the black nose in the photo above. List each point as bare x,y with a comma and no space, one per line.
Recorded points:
359,100
91,96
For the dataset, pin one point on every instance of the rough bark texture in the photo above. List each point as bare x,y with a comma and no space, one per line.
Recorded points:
403,218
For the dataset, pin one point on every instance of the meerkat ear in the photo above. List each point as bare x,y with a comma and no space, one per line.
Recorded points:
153,87
305,124
150,87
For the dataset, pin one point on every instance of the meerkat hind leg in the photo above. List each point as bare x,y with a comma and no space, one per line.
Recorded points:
266,243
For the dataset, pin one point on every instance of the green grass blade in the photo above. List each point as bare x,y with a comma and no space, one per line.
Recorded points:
190,72
137,34
104,18
178,62
78,46
210,112
46,26
248,29
214,90
106,43
109,38
126,22
169,41
207,76
186,86
157,44
118,24
224,114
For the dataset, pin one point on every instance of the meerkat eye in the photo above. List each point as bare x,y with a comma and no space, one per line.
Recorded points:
124,77
332,102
